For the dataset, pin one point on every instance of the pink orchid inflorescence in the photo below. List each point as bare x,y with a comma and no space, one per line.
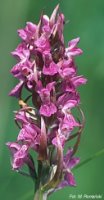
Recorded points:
47,70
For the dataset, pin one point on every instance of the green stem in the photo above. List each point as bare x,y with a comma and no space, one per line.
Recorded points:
39,195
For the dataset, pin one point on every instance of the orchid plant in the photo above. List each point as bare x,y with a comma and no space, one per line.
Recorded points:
47,70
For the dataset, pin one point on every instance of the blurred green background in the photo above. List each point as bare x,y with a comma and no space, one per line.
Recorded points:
87,21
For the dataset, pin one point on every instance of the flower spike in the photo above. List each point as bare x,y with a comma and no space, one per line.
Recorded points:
46,69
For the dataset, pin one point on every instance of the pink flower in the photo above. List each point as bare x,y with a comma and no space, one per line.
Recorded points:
72,50
68,164
69,85
68,100
22,117
28,33
21,52
22,70
42,44
78,80
19,154
16,91
47,108
67,124
30,132
69,105
30,136
58,140
50,67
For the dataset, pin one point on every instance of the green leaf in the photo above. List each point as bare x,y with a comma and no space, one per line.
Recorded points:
99,153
